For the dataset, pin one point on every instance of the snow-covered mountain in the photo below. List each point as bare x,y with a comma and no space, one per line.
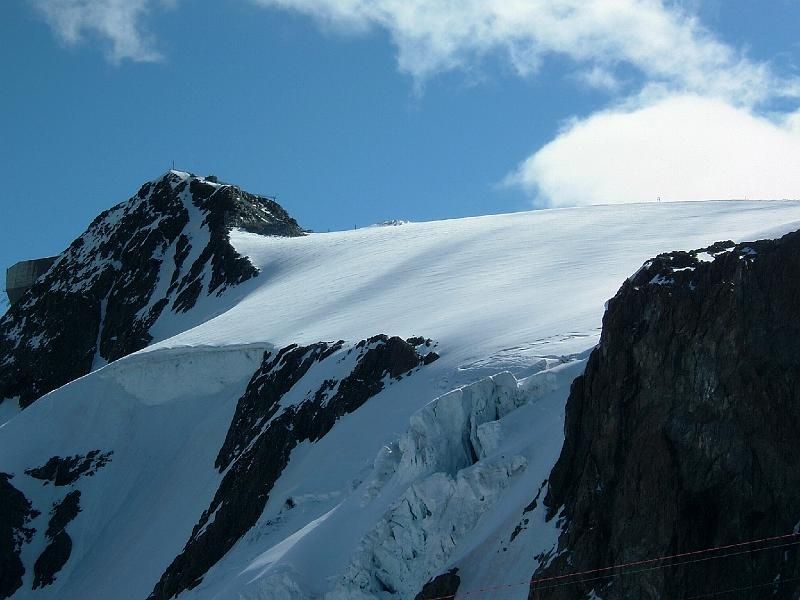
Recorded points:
140,272
375,409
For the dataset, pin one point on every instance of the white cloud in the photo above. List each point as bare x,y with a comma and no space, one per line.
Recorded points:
680,148
599,78
659,39
689,130
663,42
117,21
792,122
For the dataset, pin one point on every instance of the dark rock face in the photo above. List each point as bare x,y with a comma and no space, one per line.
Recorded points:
57,552
65,471
52,560
15,513
263,433
441,587
682,433
525,521
161,250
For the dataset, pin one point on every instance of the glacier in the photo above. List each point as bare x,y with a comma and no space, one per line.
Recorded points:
439,469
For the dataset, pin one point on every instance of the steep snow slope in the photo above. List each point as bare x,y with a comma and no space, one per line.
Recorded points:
425,475
163,418
492,289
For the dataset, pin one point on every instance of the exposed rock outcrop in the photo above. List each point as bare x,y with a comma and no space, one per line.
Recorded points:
682,433
56,553
159,251
441,587
267,426
15,514
65,471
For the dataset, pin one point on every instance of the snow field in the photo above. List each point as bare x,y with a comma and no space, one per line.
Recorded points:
433,472
534,283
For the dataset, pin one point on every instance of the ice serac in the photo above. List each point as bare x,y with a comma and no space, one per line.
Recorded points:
452,475
158,253
280,409
682,433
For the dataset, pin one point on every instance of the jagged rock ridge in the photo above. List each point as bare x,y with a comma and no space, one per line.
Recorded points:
682,433
156,253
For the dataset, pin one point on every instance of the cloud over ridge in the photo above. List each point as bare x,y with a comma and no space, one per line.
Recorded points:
691,130
679,148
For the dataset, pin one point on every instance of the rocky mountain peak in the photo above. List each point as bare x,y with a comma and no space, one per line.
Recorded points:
233,206
682,433
158,253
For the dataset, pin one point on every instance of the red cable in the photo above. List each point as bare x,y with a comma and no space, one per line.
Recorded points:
623,565
693,561
670,556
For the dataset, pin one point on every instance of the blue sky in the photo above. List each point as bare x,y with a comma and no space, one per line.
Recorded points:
356,111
